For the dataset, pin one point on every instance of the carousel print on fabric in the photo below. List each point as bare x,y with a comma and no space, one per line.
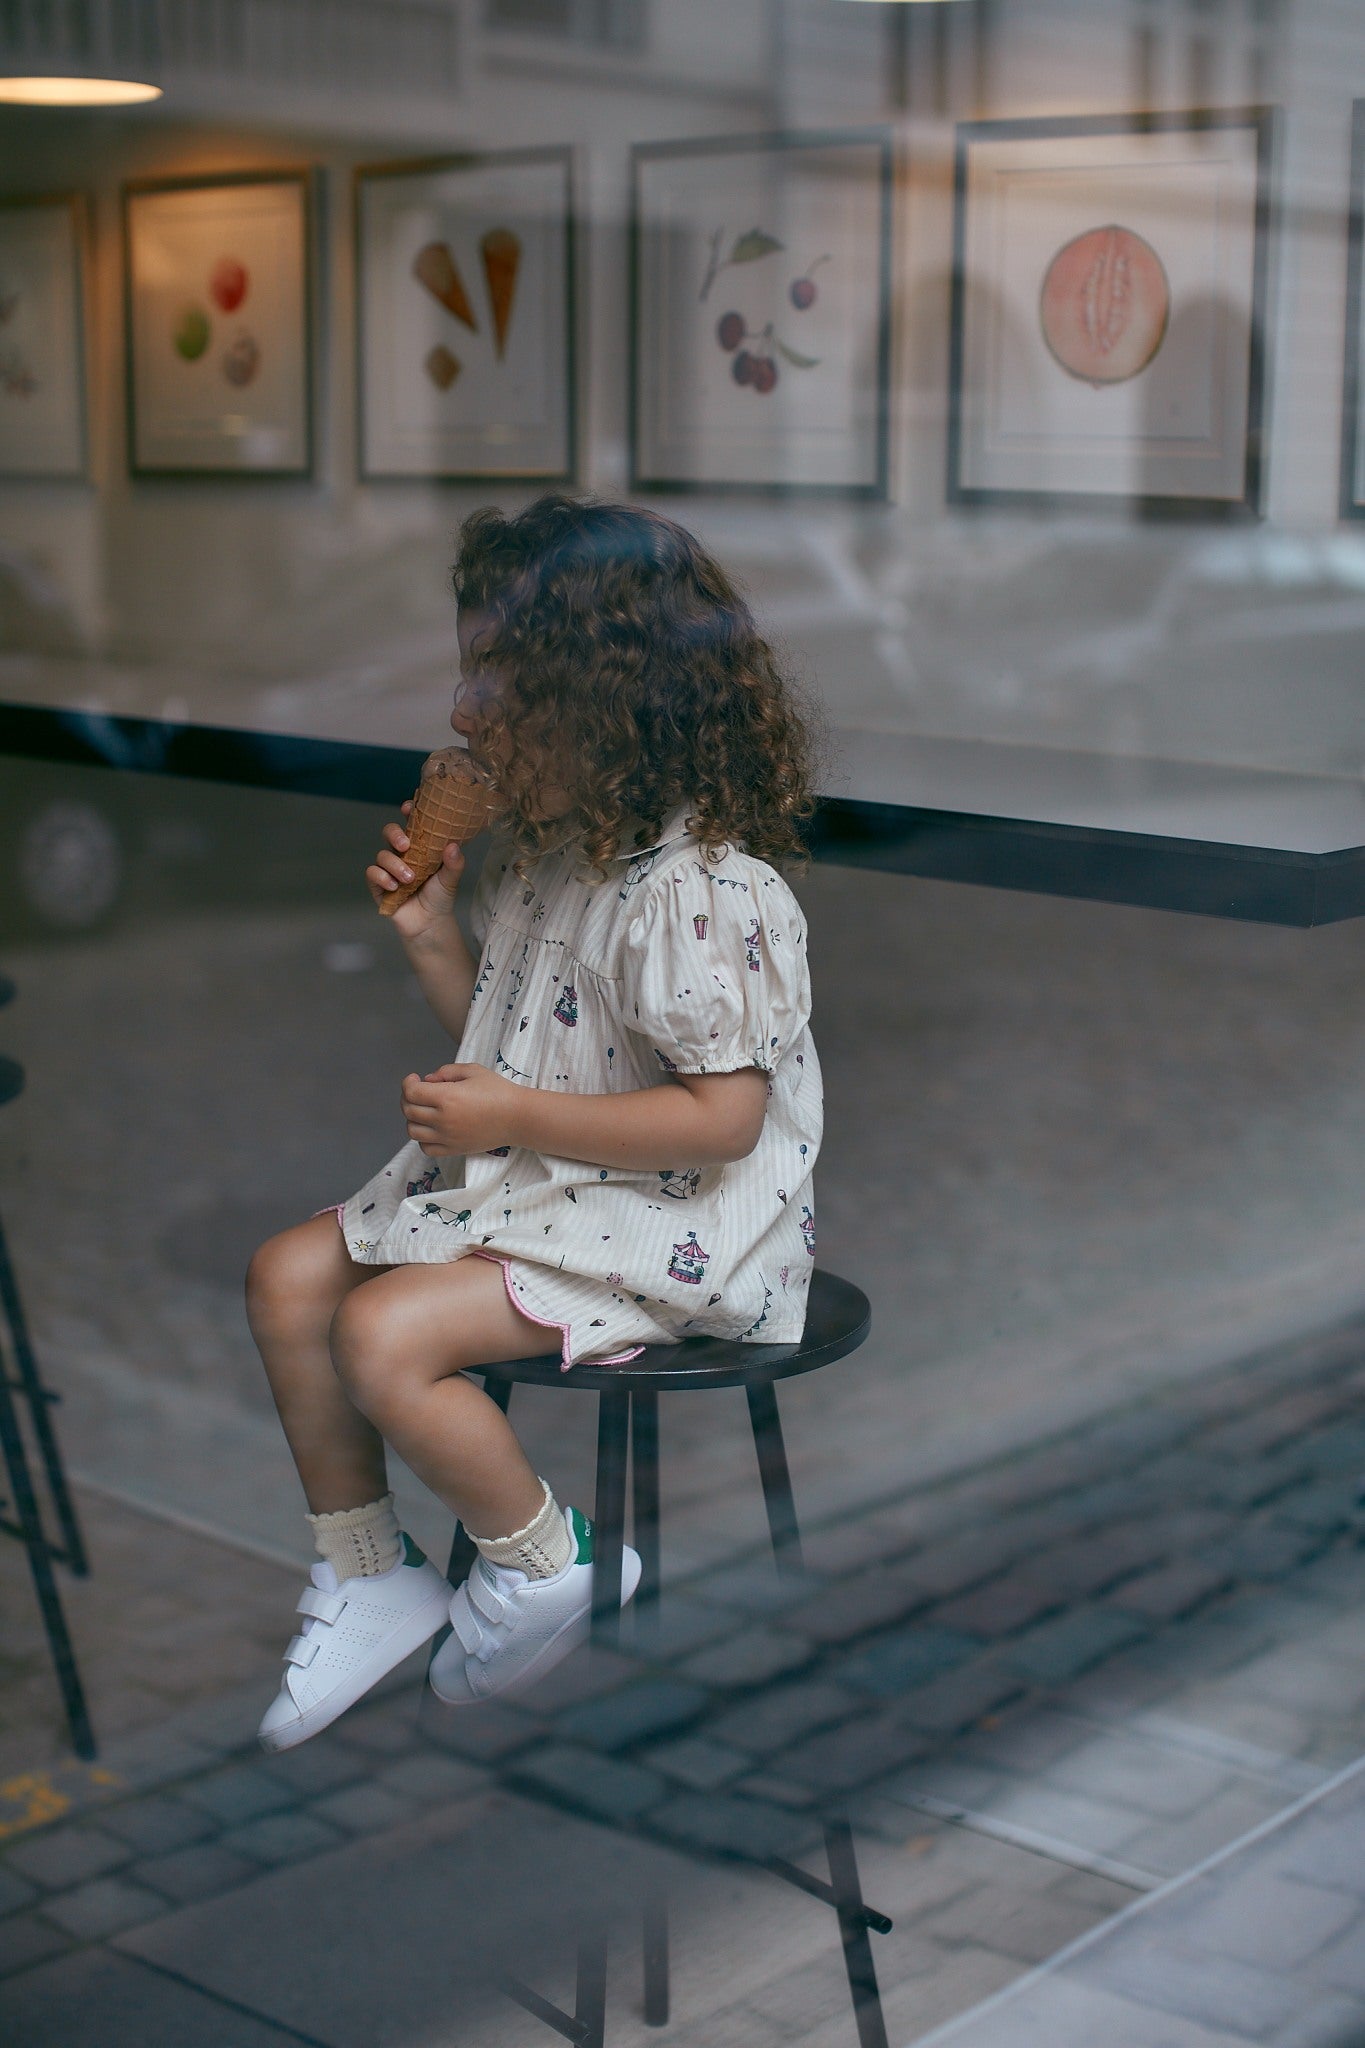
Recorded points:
566,1008
688,1262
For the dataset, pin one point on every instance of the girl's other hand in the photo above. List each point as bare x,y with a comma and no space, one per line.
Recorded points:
460,1108
434,901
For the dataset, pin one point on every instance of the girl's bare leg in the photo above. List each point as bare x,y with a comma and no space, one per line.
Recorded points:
293,1286
401,1346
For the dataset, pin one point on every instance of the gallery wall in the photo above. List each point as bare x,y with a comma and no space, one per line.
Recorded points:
319,605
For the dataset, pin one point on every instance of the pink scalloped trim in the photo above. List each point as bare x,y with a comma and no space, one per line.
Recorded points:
546,1323
337,1209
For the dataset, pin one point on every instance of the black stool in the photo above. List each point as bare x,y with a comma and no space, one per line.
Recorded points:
26,1523
837,1321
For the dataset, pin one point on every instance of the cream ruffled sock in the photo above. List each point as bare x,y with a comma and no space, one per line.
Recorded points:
541,1549
359,1543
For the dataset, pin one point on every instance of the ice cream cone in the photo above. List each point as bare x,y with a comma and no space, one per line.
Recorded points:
453,801
435,267
501,252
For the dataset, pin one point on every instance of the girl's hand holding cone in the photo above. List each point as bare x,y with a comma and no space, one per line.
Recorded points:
454,802
389,874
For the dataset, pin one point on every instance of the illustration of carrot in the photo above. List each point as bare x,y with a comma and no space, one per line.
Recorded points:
436,268
501,252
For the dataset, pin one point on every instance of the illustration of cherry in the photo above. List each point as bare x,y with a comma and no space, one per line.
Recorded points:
730,330
803,291
744,367
765,375
227,284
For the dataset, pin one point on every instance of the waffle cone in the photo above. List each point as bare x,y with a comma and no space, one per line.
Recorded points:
452,801
501,252
436,268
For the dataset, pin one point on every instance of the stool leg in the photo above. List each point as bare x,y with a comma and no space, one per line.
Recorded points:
656,1956
613,1422
848,1899
590,2002
39,1400
777,1484
644,1458
40,1565
462,1551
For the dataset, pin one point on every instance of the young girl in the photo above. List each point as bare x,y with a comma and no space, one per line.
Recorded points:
621,1152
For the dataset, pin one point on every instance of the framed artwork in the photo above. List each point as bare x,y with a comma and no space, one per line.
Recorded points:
1109,311
219,325
465,317
1353,383
760,314
42,353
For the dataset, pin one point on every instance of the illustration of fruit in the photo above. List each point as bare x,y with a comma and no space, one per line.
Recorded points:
1104,305
16,378
435,267
442,367
501,253
241,359
730,330
757,367
747,248
227,284
803,291
192,333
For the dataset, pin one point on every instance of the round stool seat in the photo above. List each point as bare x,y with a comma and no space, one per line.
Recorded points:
837,1320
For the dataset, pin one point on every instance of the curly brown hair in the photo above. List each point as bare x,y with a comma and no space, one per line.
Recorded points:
632,675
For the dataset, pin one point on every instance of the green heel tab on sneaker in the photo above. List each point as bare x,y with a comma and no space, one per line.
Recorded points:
581,1529
411,1554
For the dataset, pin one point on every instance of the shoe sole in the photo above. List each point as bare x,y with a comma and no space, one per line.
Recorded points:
566,1639
419,1628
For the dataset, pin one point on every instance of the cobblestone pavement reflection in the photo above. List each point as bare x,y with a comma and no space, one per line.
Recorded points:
1045,1691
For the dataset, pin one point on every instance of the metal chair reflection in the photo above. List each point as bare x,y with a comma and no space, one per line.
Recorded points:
26,1523
837,1322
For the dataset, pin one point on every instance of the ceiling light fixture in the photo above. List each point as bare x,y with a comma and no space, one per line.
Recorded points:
75,92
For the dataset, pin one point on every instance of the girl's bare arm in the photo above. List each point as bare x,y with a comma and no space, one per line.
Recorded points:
688,1120
432,940
445,971
693,1120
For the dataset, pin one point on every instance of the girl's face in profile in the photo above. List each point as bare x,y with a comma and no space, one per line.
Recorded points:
478,686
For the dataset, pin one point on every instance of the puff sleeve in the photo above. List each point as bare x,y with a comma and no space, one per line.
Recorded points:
713,968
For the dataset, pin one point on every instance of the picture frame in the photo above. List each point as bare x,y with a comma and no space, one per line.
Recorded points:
218,306
1109,312
466,317
43,425
779,382
1352,504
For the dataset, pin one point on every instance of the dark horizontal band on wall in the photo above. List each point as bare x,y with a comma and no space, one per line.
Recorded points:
1262,884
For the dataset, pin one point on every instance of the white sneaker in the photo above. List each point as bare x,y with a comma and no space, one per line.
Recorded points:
508,1630
352,1634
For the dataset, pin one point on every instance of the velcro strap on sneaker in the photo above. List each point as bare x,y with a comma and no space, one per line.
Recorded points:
463,1624
483,1598
322,1606
302,1651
